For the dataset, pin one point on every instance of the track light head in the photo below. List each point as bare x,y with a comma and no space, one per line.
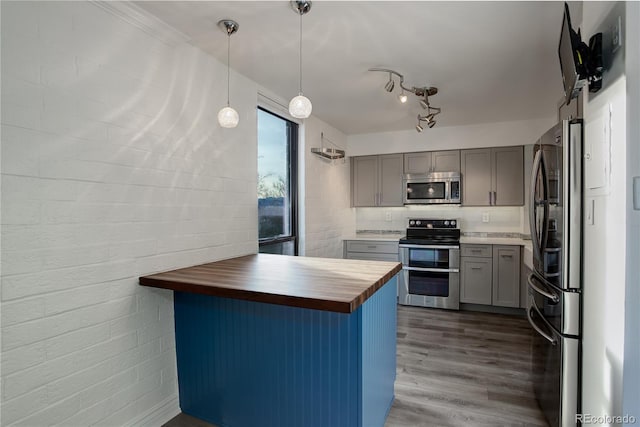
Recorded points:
419,128
424,104
390,84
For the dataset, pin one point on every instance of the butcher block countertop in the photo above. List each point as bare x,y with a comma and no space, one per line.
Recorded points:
339,285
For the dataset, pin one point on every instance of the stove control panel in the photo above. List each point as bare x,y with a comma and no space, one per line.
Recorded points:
433,223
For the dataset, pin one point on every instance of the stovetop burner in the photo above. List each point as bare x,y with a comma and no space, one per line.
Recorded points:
432,232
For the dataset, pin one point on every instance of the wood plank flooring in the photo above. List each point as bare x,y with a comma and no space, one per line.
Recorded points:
456,369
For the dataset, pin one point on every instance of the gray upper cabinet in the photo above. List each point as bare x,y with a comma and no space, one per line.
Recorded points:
417,162
493,176
432,161
364,185
445,161
377,180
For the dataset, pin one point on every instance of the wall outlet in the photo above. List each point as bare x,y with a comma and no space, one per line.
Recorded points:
485,216
388,216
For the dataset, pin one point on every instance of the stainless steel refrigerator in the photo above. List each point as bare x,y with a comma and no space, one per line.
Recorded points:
555,285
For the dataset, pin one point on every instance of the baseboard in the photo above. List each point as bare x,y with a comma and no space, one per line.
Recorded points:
159,414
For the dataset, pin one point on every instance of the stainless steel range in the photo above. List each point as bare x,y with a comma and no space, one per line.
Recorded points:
430,256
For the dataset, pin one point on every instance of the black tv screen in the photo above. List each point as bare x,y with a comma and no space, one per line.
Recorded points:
572,58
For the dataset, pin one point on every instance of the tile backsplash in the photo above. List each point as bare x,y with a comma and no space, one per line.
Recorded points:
501,219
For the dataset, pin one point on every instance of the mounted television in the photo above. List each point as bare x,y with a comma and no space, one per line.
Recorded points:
573,58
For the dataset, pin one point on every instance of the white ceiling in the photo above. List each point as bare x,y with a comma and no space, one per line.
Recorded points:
491,61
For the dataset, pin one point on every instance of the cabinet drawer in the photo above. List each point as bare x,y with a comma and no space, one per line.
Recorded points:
372,256
372,247
481,251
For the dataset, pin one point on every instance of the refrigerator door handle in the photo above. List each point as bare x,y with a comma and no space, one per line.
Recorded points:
532,206
538,329
531,279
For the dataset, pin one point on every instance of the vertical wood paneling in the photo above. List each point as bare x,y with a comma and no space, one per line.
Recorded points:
247,364
379,326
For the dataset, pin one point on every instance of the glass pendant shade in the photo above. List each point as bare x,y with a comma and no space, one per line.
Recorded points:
300,107
228,117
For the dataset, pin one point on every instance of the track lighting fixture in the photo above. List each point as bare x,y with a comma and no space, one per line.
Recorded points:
227,116
300,106
423,92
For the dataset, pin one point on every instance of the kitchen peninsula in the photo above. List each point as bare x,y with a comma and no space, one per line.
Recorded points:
276,340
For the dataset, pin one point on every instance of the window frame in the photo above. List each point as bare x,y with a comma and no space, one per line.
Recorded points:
293,129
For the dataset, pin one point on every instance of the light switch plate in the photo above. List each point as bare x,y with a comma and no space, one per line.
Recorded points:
388,216
485,216
636,193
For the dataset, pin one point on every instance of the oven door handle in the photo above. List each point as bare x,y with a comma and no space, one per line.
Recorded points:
538,329
432,270
428,246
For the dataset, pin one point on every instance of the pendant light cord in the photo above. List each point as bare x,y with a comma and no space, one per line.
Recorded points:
228,64
300,88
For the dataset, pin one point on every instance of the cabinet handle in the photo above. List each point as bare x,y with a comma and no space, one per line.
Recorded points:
506,256
476,250
371,247
495,198
489,197
476,268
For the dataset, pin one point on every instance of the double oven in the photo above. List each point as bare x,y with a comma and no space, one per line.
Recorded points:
430,256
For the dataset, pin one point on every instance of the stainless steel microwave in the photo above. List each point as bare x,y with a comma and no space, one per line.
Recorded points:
432,188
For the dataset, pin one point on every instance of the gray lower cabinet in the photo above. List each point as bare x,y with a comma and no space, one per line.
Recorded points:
378,250
493,176
377,180
475,283
490,275
506,276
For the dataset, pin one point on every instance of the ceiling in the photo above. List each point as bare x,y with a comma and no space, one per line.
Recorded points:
491,61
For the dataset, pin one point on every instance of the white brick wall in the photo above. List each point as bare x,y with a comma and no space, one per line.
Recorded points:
113,166
328,216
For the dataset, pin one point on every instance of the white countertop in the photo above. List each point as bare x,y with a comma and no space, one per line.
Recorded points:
394,237
474,240
382,237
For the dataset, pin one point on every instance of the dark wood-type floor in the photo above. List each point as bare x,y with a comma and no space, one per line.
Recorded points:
456,369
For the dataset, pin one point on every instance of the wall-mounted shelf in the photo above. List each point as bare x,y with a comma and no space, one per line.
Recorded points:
329,153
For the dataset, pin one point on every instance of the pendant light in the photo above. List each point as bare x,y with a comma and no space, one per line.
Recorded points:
227,116
300,106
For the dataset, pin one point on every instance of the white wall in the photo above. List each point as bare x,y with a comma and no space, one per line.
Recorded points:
631,380
328,217
113,166
501,219
455,137
605,239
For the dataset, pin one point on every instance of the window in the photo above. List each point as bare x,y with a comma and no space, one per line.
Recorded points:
277,184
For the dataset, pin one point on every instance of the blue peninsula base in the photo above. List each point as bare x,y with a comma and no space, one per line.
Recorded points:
249,364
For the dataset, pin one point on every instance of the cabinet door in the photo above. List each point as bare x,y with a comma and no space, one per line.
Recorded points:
390,178
476,177
417,162
445,161
508,176
506,276
364,184
475,280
